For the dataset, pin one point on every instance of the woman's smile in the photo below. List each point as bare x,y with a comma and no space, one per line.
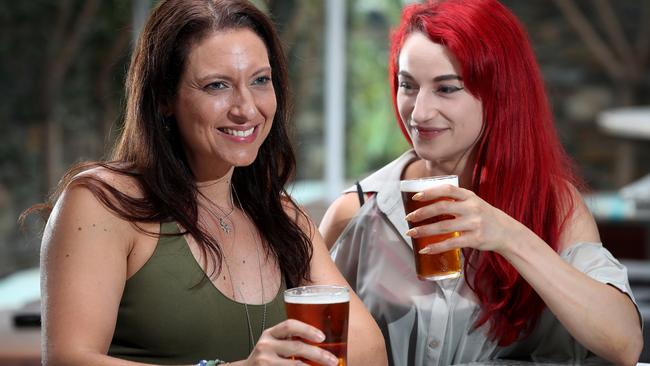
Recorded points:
428,133
241,134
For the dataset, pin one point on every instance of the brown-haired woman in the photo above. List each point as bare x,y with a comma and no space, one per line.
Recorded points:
178,248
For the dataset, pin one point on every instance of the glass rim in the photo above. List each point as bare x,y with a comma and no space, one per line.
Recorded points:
435,177
338,292
419,184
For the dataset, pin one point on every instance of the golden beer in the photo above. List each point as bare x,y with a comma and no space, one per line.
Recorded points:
431,266
326,308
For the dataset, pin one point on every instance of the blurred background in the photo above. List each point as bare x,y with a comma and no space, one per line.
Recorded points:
62,67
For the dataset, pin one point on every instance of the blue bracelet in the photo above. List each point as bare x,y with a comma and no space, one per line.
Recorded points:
214,362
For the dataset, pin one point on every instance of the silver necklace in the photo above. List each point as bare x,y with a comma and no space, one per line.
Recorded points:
223,224
241,295
232,283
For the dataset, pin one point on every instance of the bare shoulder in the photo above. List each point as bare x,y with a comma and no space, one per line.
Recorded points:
337,217
299,215
580,226
79,215
85,246
123,183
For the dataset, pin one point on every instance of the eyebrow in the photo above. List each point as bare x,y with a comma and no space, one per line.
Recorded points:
447,77
217,75
436,79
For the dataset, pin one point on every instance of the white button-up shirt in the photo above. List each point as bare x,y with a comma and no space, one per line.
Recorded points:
432,322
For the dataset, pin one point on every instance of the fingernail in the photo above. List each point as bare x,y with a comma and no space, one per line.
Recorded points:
417,196
425,250
411,232
333,360
320,336
409,217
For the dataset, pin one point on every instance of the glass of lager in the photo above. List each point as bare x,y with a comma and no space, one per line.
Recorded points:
326,308
431,266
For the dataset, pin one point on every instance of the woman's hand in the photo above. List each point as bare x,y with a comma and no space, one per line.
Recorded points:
481,226
276,345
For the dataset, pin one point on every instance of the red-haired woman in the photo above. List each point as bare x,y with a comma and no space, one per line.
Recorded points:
537,281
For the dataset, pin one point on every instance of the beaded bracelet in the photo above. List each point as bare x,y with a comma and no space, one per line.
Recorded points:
211,363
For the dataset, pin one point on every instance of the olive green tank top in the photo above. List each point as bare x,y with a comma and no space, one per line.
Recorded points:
170,313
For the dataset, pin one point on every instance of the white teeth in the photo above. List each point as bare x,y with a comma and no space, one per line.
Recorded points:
238,133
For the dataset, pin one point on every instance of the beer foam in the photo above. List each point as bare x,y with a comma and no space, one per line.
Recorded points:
312,299
418,185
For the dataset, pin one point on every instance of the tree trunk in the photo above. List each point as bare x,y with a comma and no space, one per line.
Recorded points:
62,51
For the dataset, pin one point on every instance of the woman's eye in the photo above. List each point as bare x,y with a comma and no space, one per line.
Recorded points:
448,89
407,88
405,85
262,80
217,85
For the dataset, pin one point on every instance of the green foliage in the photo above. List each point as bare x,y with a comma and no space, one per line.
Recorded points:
27,44
373,136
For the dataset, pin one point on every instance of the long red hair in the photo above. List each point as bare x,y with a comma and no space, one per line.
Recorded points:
521,167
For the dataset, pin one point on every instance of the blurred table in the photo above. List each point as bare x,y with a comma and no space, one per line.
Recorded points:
624,226
629,124
587,362
20,295
18,346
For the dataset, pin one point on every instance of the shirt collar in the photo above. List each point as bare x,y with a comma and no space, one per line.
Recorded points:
385,184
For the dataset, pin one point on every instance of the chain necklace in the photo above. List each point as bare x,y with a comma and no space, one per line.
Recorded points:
223,224
241,295
226,228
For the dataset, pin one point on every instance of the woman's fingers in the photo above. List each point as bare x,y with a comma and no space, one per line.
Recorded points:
295,328
287,340
444,246
463,203
481,225
299,349
459,224
442,207
445,190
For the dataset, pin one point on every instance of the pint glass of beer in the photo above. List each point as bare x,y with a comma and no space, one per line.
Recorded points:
431,266
324,307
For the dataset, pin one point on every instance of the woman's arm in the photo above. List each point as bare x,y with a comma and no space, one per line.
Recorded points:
83,272
597,315
337,217
365,341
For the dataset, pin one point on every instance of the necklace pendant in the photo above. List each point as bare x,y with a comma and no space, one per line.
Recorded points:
224,225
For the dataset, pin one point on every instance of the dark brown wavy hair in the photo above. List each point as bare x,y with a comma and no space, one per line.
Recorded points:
149,148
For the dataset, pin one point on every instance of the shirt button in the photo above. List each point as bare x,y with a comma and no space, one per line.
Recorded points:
434,343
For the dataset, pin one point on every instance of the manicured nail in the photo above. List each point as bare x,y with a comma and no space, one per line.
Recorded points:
417,196
332,360
320,336
409,217
425,250
411,232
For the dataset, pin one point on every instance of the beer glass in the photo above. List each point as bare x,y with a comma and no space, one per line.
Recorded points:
325,307
431,266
